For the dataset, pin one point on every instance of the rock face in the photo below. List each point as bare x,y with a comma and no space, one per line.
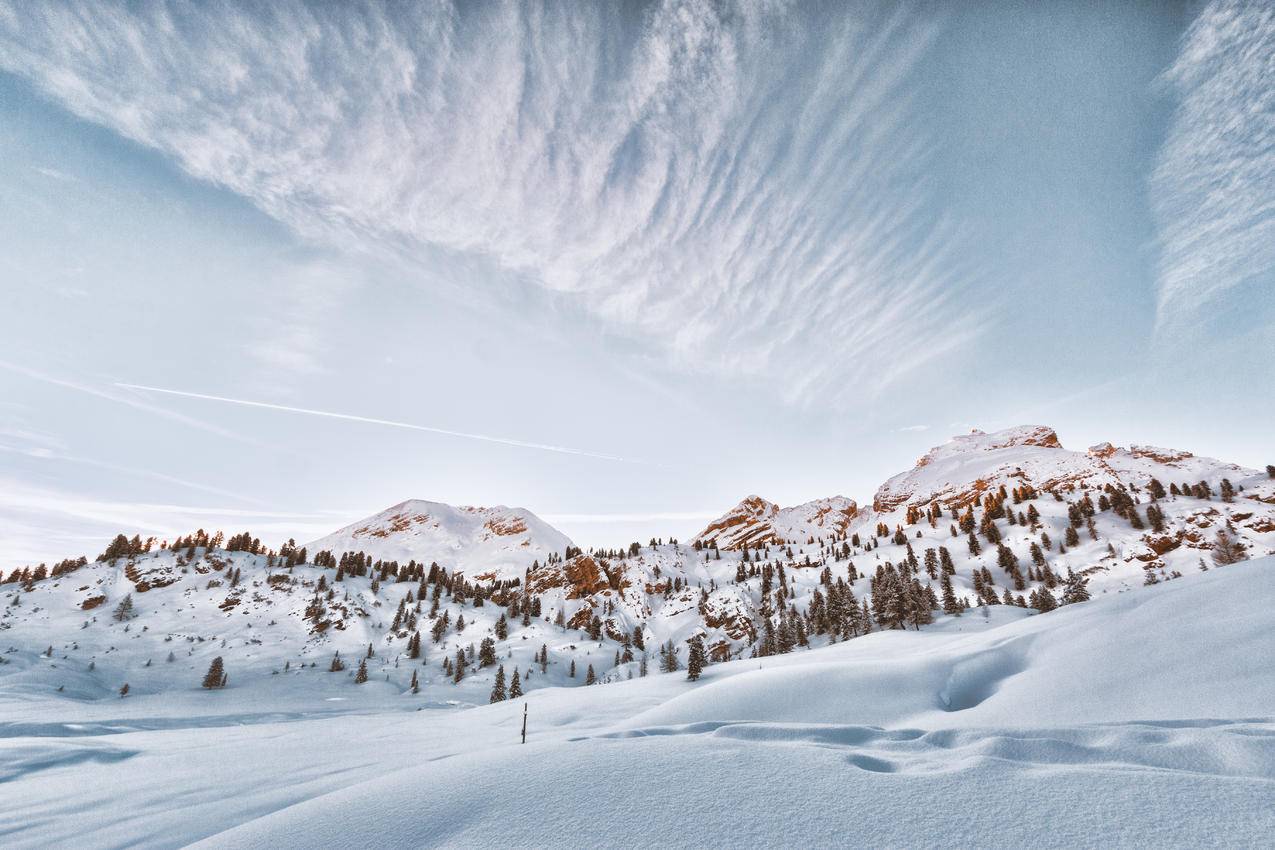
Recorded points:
497,542
756,521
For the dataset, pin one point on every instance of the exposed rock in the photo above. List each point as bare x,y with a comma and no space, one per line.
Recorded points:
756,521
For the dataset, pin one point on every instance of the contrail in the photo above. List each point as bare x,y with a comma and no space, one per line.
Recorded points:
504,441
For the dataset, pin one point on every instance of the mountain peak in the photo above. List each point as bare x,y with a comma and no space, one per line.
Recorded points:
756,520
468,539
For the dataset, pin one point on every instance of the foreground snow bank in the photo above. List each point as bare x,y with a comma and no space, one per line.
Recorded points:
768,785
977,739
1138,719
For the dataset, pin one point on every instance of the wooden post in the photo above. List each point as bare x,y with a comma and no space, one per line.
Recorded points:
524,723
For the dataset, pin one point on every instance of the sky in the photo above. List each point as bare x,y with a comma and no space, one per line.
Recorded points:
278,266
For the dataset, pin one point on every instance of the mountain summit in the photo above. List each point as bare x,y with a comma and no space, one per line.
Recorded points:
479,543
755,521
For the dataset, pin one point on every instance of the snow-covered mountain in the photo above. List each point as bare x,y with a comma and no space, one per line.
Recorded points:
500,542
756,521
1010,518
963,469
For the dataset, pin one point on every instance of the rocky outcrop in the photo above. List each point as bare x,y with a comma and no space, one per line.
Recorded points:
756,521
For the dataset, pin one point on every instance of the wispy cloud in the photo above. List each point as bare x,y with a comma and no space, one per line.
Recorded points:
54,174
44,524
369,420
298,314
910,429
742,186
53,455
120,398
1212,187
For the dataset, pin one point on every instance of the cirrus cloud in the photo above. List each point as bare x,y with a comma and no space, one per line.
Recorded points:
743,186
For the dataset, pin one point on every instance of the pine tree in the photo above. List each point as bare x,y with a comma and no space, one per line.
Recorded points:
124,690
589,676
950,605
124,611
216,674
1076,589
1227,549
415,686
360,675
696,657
669,662
498,689
458,669
515,685
572,671
486,652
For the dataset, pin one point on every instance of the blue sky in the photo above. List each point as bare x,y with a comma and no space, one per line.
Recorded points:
665,255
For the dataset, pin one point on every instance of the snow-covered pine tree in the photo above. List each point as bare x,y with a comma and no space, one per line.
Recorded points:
1076,589
498,689
696,657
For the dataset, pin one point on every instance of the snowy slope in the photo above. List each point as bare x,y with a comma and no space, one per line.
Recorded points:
500,542
1138,719
761,591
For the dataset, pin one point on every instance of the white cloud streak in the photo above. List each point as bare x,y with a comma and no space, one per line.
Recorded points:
43,524
369,420
741,186
97,392
1213,190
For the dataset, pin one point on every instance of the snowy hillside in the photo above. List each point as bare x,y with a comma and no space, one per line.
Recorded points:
1138,719
447,597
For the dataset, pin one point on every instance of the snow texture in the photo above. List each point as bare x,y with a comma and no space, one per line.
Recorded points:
1137,719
